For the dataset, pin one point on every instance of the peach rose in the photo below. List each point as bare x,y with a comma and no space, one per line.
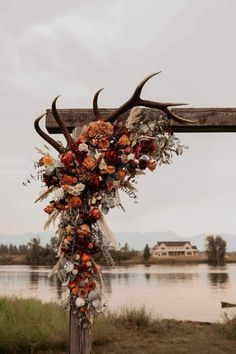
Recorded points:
103,143
83,230
124,140
85,258
90,163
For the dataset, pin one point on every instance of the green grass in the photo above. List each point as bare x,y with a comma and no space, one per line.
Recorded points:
29,326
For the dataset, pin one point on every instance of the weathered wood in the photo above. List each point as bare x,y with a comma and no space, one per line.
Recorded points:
80,336
207,119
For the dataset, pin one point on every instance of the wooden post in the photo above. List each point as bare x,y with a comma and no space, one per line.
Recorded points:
79,336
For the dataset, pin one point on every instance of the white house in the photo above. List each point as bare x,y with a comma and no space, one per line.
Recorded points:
175,248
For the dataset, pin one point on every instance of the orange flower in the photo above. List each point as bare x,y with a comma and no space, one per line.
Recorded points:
151,165
90,163
95,213
83,230
82,140
124,140
121,174
110,169
49,209
103,143
47,160
66,179
75,202
75,290
99,130
85,257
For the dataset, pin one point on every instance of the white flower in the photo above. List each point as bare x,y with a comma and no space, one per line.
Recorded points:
49,170
102,165
68,267
79,302
77,189
83,147
131,156
59,193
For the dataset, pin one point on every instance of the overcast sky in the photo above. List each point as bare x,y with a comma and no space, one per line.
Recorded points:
73,48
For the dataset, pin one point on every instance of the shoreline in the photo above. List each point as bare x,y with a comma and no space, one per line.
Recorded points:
135,260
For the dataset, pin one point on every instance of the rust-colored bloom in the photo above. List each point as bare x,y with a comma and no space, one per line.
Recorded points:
66,179
95,213
75,290
99,130
75,202
90,163
85,257
67,158
83,292
110,169
151,165
49,209
121,174
124,141
103,143
91,285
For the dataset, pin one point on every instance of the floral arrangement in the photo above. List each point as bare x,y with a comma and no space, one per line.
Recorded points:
84,182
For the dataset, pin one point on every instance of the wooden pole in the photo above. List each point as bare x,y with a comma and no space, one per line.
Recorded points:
80,341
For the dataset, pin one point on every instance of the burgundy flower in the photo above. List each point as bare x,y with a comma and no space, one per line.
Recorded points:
111,157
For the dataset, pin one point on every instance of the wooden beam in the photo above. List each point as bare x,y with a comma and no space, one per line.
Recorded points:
207,119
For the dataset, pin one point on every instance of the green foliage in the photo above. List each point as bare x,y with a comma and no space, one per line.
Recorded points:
146,252
215,250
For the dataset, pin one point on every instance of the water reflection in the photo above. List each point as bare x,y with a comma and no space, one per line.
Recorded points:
171,291
219,280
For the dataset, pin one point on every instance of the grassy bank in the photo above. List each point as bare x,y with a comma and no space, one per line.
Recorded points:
28,326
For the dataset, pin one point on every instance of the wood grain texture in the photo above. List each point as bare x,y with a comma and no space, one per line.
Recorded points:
80,337
207,119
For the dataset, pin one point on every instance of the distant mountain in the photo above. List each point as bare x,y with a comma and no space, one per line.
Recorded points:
135,240
21,239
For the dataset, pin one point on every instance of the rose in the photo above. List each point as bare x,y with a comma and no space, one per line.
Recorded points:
75,202
95,213
66,179
89,162
83,147
49,209
110,169
83,230
68,158
103,143
111,157
124,141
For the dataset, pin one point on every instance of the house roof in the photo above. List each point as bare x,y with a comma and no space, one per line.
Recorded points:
173,243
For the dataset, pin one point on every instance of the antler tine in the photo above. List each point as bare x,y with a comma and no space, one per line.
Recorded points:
136,100
95,105
61,123
46,137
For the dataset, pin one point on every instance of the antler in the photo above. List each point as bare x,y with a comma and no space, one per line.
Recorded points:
46,137
62,127
136,100
61,123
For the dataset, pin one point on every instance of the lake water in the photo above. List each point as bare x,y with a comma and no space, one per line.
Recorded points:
190,292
